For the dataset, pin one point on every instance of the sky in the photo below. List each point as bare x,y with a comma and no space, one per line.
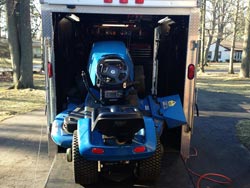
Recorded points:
37,4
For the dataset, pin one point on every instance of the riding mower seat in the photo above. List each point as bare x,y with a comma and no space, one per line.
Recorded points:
119,122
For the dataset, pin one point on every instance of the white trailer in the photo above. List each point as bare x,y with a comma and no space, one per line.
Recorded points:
161,36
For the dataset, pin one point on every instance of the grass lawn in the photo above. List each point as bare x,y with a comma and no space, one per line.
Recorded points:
216,79
14,101
6,63
243,132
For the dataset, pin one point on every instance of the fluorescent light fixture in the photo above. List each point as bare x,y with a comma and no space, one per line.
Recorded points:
166,20
74,17
115,25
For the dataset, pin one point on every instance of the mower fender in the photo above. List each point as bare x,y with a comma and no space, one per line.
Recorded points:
60,137
83,131
150,133
91,140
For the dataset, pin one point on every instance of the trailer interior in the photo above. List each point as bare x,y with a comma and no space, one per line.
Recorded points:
74,35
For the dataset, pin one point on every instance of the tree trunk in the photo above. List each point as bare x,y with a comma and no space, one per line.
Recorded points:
211,30
210,38
224,16
231,61
202,25
13,40
216,50
20,42
244,71
211,34
0,22
26,78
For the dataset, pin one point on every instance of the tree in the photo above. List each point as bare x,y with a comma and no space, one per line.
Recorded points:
224,17
20,42
2,12
236,16
210,25
202,34
244,71
35,20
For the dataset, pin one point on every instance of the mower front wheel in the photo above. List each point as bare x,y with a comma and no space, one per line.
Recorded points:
85,172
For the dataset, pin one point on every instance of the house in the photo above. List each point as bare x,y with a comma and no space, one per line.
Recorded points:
224,51
36,45
4,48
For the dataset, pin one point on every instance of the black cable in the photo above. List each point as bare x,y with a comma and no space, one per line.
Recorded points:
85,82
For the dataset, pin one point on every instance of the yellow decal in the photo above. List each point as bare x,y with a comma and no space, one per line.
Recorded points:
171,103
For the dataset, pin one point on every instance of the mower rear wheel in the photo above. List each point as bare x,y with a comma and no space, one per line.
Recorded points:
149,169
85,172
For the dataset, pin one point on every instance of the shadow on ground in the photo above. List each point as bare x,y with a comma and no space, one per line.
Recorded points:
214,137
224,102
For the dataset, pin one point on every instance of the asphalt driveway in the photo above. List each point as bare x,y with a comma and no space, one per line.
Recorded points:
214,137
24,161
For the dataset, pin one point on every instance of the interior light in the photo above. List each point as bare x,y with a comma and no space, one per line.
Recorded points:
115,25
74,17
166,20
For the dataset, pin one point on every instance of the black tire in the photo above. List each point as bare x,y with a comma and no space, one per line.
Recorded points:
85,172
149,169
61,149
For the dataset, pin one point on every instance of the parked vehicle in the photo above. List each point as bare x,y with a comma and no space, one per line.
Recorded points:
120,82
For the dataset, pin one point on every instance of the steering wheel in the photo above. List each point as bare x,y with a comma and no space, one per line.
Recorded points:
112,71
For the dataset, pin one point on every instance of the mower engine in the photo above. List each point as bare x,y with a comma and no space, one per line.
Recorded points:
111,71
